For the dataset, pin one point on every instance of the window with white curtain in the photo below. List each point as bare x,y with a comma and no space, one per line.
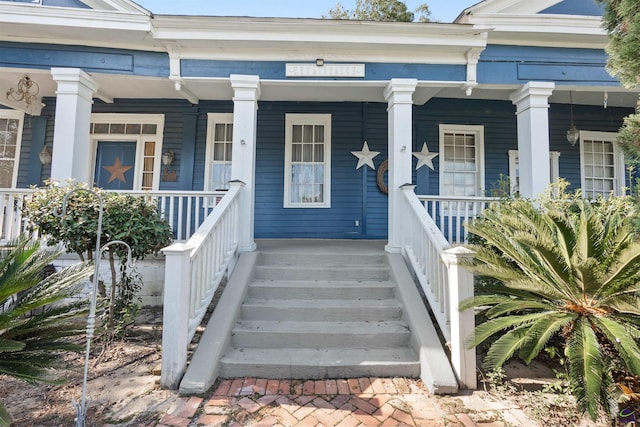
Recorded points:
307,161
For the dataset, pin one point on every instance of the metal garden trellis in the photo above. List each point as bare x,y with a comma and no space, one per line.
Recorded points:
81,407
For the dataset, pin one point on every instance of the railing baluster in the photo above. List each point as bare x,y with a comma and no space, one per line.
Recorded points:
210,254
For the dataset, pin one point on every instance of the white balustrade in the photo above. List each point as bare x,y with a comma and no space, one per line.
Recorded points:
185,211
451,213
193,272
11,221
443,279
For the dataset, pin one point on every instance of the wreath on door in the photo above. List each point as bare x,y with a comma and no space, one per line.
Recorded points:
382,169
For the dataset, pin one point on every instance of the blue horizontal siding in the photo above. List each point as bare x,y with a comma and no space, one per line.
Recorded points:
501,64
272,219
93,59
277,70
586,118
355,195
500,135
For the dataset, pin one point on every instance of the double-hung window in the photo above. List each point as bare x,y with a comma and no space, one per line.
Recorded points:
462,160
307,176
601,164
219,147
10,138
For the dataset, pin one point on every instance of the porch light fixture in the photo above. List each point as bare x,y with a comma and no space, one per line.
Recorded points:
573,134
26,91
45,156
167,158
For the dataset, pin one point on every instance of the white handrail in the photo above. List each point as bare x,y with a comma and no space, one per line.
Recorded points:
423,246
443,279
193,272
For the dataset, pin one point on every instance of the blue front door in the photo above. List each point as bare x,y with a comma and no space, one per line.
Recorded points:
115,165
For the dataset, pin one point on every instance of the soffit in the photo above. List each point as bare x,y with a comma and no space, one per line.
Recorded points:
132,87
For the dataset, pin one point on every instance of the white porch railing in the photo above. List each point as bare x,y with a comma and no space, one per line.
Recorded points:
193,272
11,221
443,279
450,213
185,211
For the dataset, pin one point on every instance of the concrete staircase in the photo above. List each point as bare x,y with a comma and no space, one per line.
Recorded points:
313,309
321,315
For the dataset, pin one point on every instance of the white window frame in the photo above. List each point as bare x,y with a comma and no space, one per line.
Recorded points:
619,183
554,164
212,120
307,119
478,130
145,119
15,115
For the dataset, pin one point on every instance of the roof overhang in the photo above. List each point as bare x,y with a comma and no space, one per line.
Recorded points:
543,30
234,38
72,26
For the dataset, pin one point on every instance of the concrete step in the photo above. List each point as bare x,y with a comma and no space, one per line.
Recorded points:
319,363
271,289
320,273
321,309
302,259
292,334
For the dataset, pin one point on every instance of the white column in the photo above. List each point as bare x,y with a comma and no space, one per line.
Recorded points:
532,110
246,91
463,359
399,96
74,98
175,316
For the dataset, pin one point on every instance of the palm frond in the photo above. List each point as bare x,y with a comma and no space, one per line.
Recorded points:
518,306
493,326
586,366
542,331
505,347
623,339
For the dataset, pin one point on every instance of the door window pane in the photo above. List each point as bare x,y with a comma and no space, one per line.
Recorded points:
219,151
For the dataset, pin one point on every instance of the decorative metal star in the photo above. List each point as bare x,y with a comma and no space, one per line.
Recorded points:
425,158
117,171
365,157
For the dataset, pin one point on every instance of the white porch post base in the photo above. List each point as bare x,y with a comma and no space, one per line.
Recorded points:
462,323
175,317
246,92
532,110
74,98
399,96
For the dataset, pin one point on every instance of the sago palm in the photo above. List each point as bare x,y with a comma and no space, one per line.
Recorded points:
571,272
38,314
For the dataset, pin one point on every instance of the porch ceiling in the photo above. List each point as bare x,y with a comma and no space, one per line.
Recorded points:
132,87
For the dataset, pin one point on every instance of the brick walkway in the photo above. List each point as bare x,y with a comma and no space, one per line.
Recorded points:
349,403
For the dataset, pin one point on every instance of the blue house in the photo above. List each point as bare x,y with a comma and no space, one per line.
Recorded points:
323,122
